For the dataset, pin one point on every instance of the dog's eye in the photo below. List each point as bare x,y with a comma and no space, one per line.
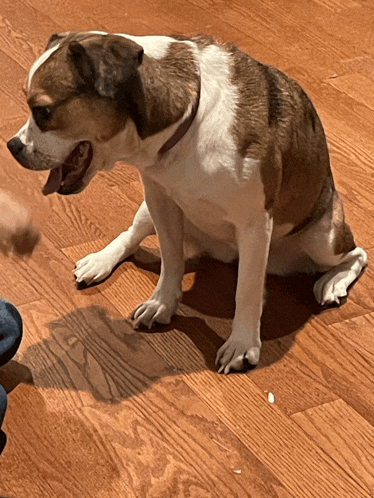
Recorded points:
41,115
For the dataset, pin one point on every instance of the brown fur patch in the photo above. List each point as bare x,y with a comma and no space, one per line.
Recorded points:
89,117
169,85
323,204
343,240
276,123
202,41
52,80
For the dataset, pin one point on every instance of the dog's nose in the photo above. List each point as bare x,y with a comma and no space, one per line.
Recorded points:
15,146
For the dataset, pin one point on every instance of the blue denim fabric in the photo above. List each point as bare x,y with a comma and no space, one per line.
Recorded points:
10,339
3,405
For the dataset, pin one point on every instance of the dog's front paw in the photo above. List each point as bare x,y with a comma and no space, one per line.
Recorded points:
154,310
234,355
95,267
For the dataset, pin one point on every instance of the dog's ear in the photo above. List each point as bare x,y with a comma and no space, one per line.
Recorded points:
56,38
106,66
118,65
82,65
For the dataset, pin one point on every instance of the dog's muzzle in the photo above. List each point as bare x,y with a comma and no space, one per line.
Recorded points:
65,177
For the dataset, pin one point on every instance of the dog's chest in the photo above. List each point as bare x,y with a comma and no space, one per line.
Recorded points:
203,205
213,197
208,216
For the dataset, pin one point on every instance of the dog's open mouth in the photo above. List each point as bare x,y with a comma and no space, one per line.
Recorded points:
67,178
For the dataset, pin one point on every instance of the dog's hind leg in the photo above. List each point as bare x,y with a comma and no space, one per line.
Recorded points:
98,265
331,246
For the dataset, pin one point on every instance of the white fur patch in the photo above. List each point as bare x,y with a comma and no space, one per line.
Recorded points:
99,33
154,46
44,57
333,285
50,148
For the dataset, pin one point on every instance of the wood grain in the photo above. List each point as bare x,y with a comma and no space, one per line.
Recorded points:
120,400
343,435
268,432
340,362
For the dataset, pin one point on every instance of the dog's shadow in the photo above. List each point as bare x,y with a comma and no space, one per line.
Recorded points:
289,302
89,351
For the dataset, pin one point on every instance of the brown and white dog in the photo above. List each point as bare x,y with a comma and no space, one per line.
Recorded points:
231,153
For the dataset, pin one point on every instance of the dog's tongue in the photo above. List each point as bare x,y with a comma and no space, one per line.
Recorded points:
53,182
70,170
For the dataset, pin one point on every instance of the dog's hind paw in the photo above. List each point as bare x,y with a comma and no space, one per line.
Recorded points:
333,286
328,291
236,355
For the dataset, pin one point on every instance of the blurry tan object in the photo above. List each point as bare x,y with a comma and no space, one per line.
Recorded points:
17,233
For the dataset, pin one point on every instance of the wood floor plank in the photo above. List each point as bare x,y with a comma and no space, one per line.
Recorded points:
345,436
64,378
24,31
49,273
199,441
102,359
121,175
12,79
350,18
340,363
53,453
96,18
136,448
357,86
14,287
337,6
293,384
299,42
121,202
276,440
9,112
358,333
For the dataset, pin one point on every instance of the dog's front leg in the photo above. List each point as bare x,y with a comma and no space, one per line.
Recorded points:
244,343
96,266
168,221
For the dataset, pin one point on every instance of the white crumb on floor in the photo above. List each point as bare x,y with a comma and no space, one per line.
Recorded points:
271,397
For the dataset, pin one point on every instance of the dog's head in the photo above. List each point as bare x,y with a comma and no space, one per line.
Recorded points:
79,93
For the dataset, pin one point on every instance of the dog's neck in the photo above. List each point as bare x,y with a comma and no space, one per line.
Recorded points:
182,128
162,93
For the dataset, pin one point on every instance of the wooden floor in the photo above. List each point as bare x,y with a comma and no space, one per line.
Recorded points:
98,410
